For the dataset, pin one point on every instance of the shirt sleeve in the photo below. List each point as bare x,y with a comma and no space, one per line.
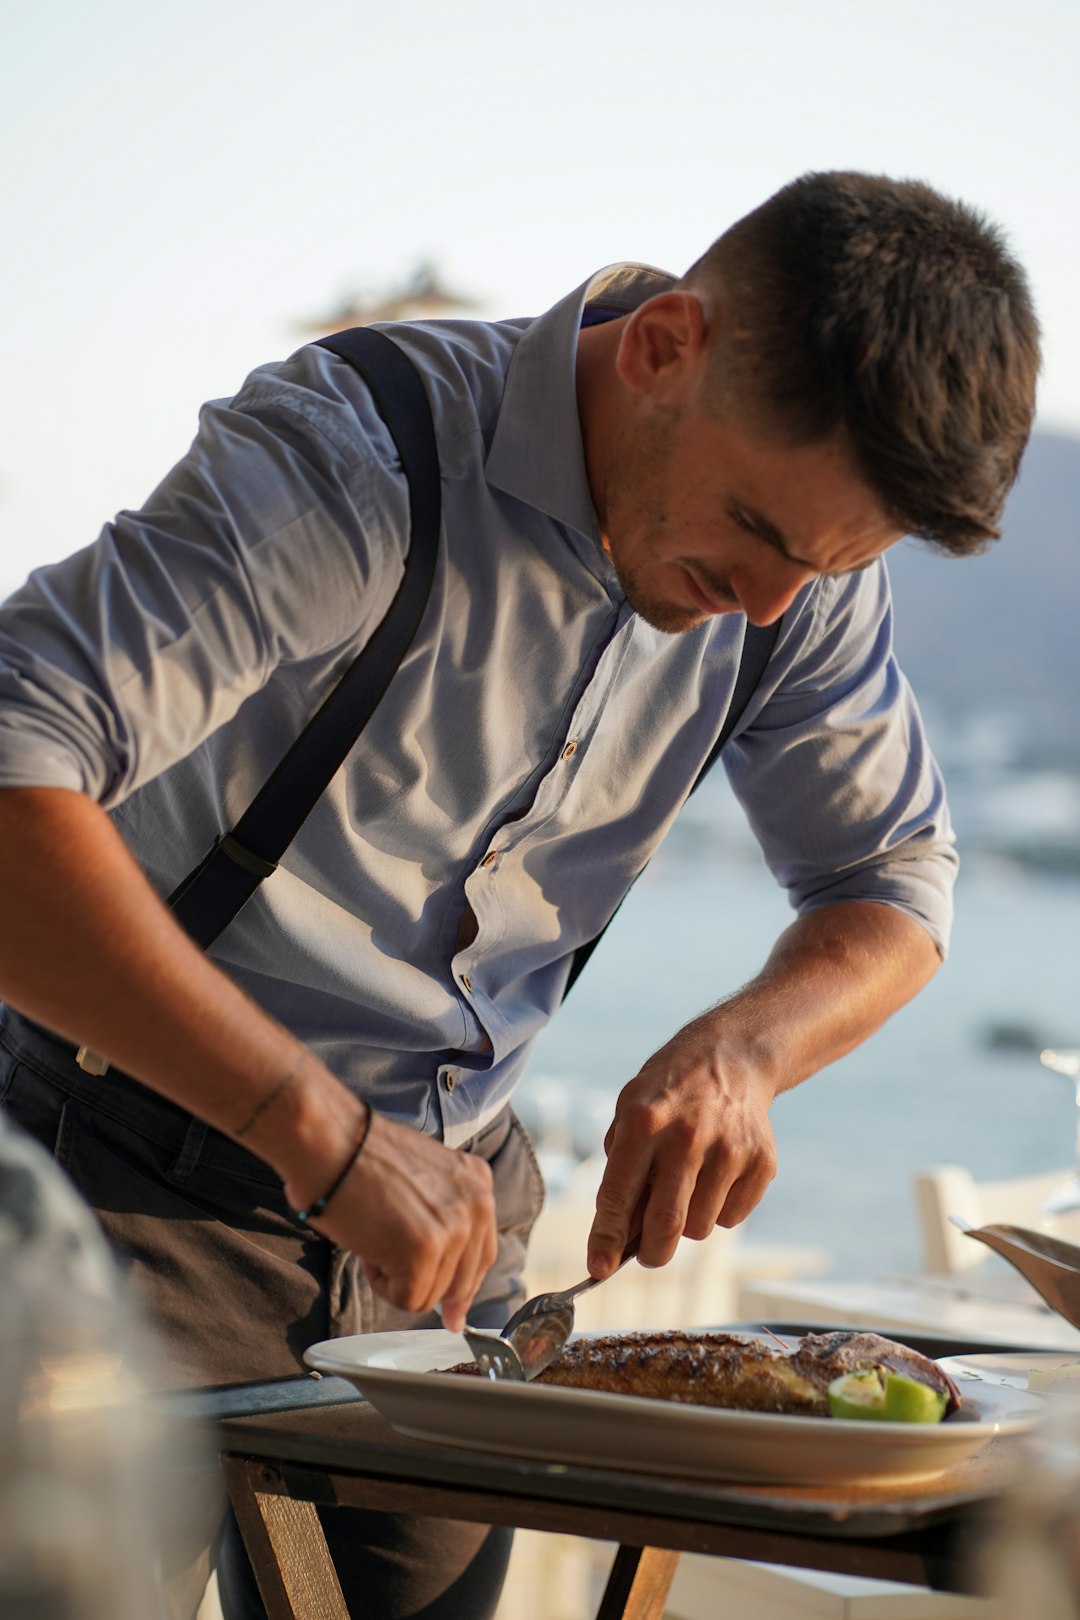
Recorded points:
280,536
834,770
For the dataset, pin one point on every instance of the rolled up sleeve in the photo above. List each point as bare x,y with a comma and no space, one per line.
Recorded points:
266,544
835,773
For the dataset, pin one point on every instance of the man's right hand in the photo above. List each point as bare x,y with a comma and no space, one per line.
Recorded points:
420,1216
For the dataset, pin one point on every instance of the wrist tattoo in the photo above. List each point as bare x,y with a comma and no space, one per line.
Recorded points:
270,1099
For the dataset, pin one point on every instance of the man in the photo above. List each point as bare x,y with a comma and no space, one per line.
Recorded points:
626,481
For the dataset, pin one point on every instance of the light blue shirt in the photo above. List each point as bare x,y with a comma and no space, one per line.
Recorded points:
533,748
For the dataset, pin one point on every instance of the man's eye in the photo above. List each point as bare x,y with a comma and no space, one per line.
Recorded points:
741,521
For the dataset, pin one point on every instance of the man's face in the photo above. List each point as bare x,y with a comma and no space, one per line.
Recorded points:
703,515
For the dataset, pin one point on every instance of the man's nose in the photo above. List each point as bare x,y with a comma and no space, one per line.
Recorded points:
765,596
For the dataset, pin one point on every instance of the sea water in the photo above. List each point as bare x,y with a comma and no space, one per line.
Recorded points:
953,1078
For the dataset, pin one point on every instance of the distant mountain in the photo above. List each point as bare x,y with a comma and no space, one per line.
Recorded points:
992,643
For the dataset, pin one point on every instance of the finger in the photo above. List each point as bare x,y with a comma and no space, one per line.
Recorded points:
664,1216
463,1278
750,1185
745,1195
454,1314
617,1199
470,1255
412,1285
481,1249
715,1182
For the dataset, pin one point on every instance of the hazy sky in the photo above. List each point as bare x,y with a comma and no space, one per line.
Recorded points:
182,184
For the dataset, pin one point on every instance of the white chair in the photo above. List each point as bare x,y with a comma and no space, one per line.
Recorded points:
950,1189
770,1592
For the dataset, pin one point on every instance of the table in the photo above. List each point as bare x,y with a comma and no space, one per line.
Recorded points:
964,1306
290,1446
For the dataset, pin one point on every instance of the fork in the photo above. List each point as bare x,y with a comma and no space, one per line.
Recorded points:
536,1333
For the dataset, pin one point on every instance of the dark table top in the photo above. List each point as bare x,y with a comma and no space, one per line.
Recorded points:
348,1436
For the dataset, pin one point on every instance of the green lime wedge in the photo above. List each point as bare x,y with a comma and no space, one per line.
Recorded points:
909,1401
858,1395
886,1397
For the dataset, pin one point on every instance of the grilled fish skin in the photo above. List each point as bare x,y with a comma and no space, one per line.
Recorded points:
729,1370
713,1369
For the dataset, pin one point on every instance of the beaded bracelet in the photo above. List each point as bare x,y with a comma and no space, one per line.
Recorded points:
320,1204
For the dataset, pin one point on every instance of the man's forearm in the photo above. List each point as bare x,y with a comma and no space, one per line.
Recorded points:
831,979
88,949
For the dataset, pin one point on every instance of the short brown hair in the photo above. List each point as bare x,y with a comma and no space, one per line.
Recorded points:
884,310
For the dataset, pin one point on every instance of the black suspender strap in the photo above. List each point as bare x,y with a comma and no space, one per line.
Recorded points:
210,896
757,647
758,644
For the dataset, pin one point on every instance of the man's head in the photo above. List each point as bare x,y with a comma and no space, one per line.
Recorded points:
853,361
881,311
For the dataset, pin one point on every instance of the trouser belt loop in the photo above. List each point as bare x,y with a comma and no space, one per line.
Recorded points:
188,1157
91,1062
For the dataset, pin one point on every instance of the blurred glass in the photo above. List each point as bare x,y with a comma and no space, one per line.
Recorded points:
1032,1559
1066,1061
77,1488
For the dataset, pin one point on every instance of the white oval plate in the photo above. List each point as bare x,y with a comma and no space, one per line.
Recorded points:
1012,1367
395,1372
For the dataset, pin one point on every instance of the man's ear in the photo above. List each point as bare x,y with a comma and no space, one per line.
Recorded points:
662,345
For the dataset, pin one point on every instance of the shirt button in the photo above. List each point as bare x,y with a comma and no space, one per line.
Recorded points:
490,859
570,750
466,981
448,1081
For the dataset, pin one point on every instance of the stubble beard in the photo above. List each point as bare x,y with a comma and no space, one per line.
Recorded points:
661,615
636,509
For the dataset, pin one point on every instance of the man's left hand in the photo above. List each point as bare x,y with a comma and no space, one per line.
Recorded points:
691,1145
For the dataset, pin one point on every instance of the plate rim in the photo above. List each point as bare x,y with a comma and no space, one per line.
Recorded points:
1022,1409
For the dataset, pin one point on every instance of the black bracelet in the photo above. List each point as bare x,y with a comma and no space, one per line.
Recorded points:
320,1204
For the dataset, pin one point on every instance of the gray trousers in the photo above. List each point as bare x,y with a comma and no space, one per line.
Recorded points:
227,1287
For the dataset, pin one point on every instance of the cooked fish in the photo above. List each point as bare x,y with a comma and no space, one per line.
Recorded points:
732,1371
702,1369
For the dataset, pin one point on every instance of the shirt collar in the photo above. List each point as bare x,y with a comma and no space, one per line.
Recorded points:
536,454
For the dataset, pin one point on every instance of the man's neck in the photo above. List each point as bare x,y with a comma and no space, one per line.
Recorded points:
597,401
